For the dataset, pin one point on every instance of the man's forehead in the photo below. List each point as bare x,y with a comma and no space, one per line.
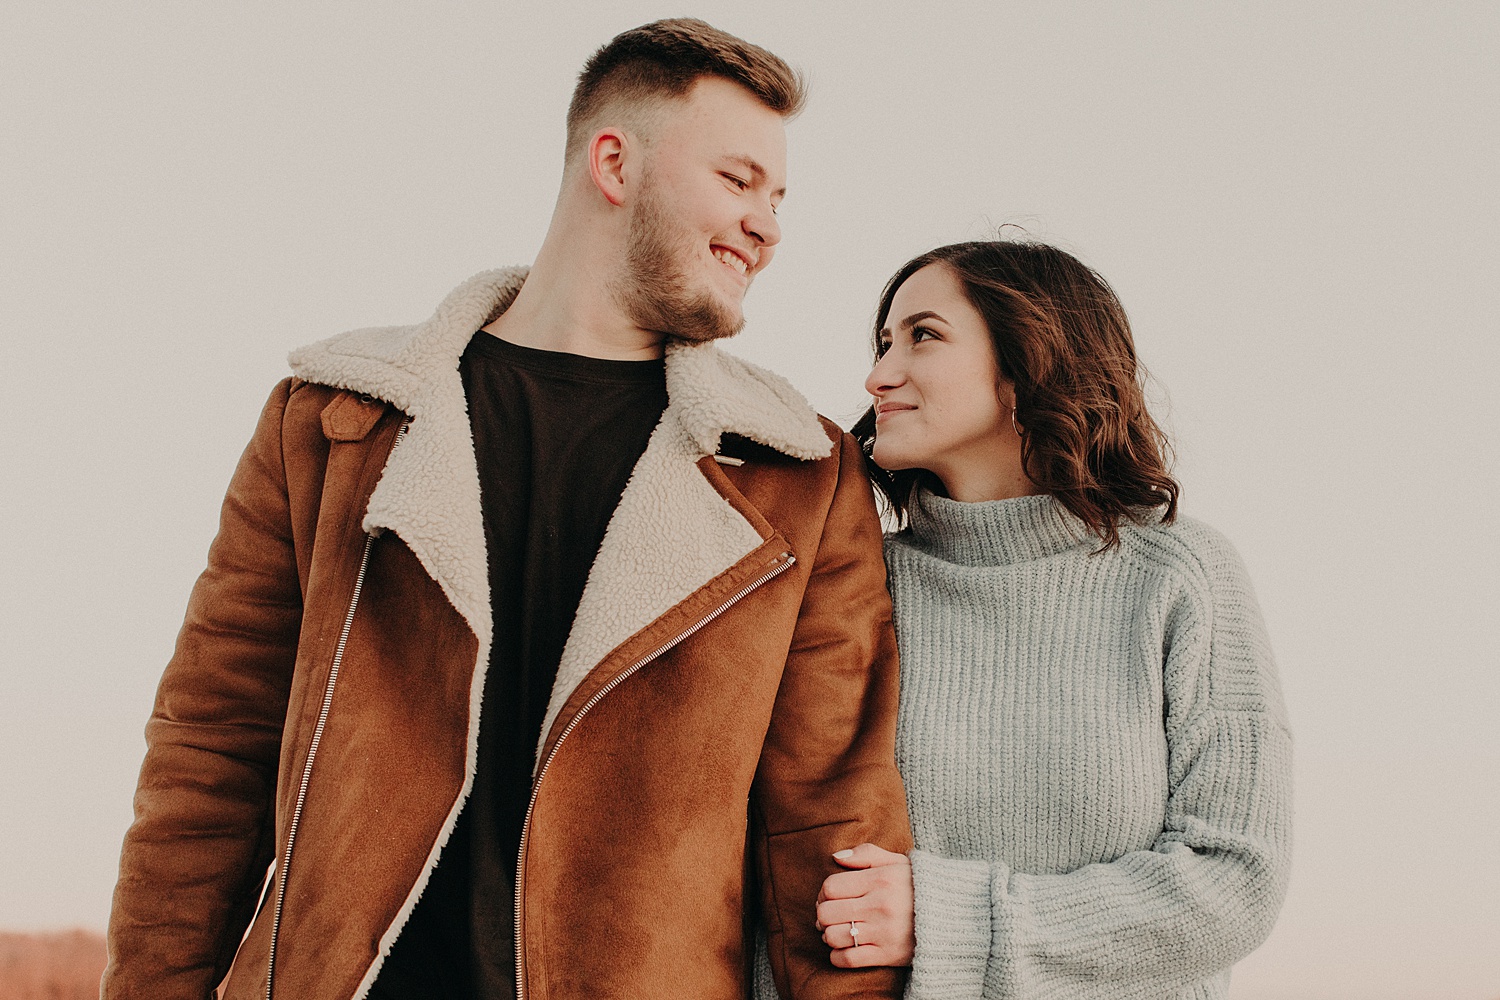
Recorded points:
723,104
724,120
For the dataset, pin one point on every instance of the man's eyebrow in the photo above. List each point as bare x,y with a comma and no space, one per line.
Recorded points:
913,320
755,168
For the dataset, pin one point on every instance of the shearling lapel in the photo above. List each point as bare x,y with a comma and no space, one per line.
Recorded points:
672,532
429,491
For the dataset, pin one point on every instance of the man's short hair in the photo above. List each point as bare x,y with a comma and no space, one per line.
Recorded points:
664,59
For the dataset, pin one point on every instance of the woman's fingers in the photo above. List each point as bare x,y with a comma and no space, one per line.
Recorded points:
864,956
859,944
841,935
868,856
840,911
865,913
847,885
864,935
863,882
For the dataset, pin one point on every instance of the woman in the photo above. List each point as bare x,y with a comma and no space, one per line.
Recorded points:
1091,731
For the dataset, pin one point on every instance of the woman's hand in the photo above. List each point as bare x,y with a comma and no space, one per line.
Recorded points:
865,913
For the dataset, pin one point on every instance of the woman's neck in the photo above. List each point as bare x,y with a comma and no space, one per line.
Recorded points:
975,482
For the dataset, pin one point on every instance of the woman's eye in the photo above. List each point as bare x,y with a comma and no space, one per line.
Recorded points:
921,333
881,347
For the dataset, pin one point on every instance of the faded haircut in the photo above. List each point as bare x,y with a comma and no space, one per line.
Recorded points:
663,59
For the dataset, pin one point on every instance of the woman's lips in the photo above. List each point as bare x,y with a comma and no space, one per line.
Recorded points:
886,410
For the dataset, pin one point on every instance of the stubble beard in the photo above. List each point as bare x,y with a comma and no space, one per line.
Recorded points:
655,292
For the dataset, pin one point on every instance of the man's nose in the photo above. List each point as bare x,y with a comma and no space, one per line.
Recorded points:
763,226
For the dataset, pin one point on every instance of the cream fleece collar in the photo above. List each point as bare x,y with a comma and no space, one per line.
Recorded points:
671,532
429,493
713,392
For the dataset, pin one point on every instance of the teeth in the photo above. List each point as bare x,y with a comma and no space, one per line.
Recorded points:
734,260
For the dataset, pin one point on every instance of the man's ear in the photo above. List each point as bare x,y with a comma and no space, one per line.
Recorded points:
606,154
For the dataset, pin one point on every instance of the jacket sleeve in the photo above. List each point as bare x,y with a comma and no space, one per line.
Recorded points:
827,778
1155,921
195,858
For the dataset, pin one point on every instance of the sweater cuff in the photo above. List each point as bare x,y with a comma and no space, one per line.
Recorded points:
952,922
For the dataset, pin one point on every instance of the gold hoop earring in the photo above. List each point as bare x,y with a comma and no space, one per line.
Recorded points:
1015,426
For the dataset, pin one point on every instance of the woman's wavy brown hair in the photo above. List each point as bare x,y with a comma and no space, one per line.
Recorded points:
1061,338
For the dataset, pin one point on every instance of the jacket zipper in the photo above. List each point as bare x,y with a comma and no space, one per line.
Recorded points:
312,753
317,739
784,562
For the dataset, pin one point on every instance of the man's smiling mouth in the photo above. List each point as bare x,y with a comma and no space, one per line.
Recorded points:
725,255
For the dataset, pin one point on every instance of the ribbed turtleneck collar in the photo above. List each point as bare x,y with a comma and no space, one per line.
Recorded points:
993,532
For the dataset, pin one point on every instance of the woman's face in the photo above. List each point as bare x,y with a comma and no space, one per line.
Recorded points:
940,403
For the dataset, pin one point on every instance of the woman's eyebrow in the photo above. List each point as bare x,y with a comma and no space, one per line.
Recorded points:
911,321
918,317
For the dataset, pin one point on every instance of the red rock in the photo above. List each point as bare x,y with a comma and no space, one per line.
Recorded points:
65,965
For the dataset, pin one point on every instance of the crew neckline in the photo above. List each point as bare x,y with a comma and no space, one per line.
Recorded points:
562,364
992,532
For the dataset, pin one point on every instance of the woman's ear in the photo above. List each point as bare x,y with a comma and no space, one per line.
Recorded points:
1006,391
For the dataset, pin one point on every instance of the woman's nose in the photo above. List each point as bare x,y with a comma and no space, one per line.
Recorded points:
885,375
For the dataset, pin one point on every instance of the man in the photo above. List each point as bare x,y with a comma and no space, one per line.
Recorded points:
544,647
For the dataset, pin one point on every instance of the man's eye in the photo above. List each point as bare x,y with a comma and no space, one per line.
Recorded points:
741,185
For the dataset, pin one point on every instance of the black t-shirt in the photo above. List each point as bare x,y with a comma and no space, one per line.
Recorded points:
556,437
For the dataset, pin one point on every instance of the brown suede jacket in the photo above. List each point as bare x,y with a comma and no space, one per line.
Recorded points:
722,720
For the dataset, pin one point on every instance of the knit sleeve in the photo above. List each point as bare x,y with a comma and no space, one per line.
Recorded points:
1205,894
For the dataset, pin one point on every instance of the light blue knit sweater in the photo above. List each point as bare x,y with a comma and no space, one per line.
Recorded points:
1095,752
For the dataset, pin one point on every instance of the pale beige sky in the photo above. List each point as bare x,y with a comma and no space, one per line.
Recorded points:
1297,202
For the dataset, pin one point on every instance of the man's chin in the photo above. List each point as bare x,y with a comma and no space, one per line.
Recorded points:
702,322
663,306
702,334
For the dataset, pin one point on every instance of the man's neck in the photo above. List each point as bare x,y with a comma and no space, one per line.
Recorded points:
567,308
